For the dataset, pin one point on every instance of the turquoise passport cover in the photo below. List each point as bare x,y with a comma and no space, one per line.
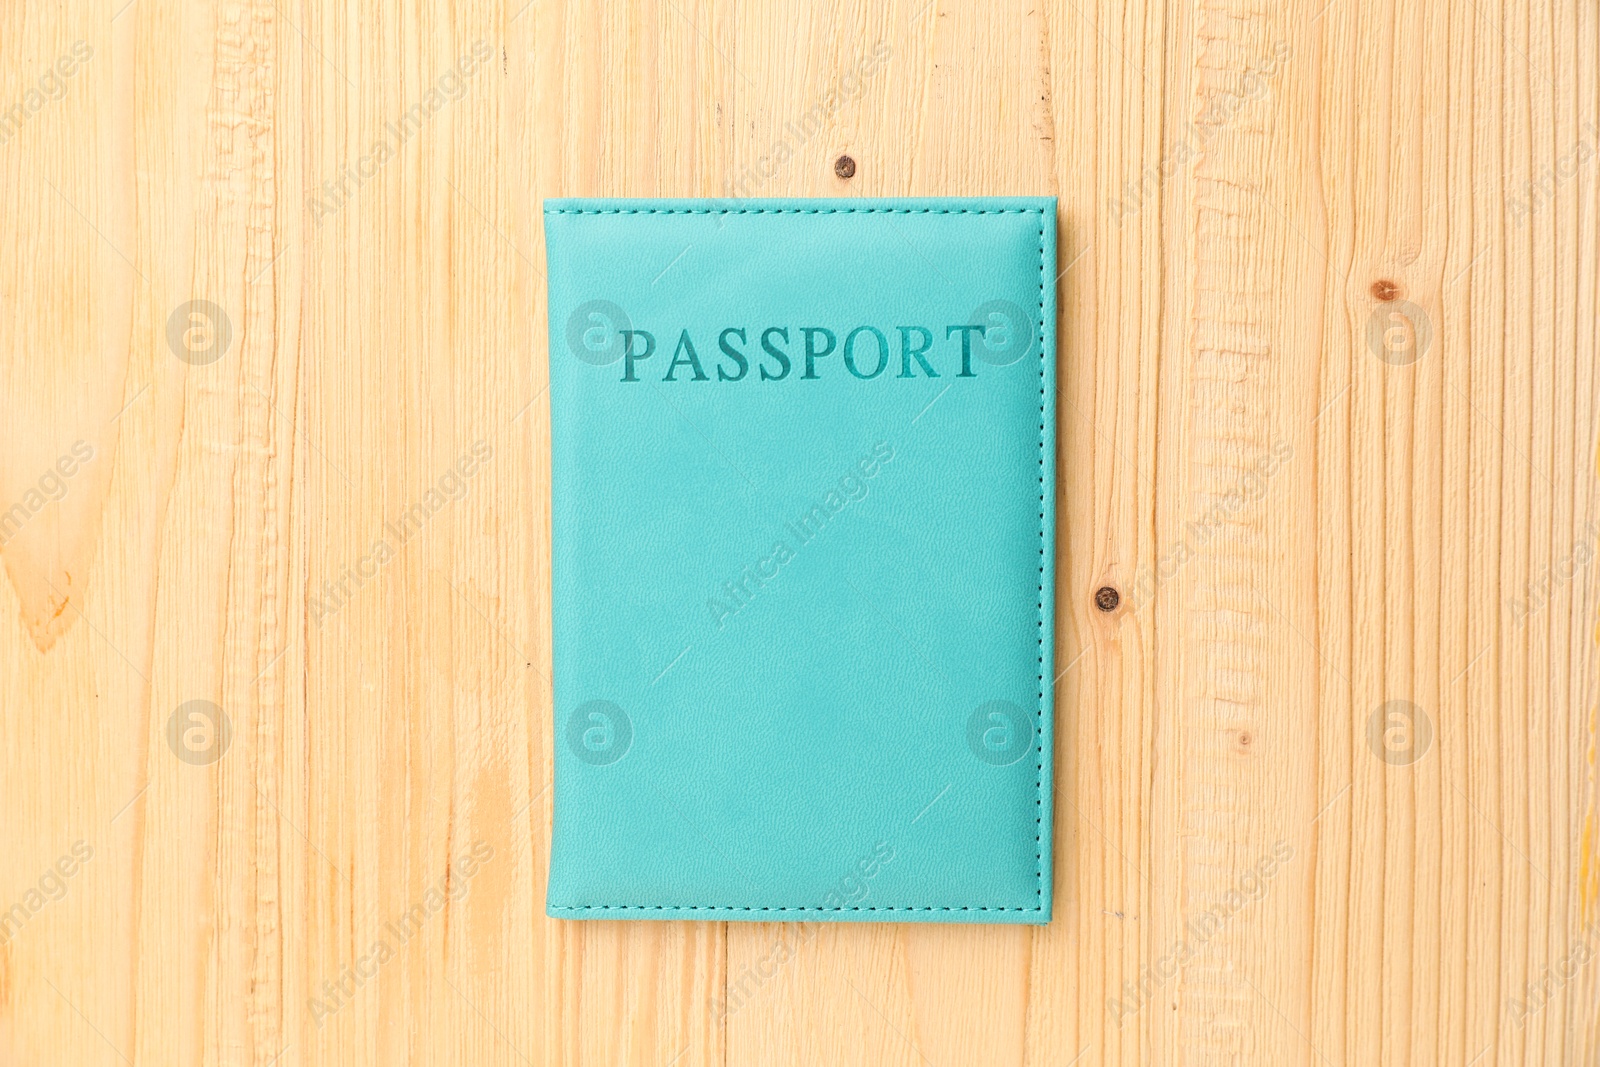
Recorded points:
803,523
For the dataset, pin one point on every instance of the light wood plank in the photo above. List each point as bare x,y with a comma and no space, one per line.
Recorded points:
1302,529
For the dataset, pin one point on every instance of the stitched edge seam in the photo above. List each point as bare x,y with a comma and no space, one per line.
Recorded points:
803,907
1044,353
1038,776
794,211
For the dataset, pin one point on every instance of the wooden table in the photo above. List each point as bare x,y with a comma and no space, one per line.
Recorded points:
269,272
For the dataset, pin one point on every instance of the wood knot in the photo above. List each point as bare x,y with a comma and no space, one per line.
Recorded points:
844,167
1386,290
1107,598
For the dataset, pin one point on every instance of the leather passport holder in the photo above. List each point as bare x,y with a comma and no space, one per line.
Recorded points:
803,518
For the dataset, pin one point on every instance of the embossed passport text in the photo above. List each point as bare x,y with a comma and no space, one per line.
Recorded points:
803,459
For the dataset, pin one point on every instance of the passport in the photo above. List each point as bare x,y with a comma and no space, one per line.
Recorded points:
802,557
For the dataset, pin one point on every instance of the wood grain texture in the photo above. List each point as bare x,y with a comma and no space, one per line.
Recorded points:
1329,291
